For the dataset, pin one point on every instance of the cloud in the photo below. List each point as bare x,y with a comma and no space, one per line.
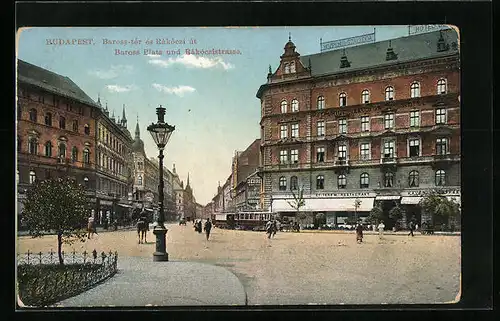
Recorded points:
178,90
120,89
113,72
192,61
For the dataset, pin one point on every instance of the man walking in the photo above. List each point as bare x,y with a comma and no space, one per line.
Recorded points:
381,228
269,227
412,226
208,227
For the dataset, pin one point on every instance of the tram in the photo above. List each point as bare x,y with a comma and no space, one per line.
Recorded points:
242,220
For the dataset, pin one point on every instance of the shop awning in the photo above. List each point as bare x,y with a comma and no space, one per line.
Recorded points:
326,204
387,197
410,200
124,205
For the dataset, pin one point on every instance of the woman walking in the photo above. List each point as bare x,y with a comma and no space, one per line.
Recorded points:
381,228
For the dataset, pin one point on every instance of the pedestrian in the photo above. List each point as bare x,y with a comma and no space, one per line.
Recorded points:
199,227
381,227
208,227
412,226
275,227
269,226
90,226
416,227
359,233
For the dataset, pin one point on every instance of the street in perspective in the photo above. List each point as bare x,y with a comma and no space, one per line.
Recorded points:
238,166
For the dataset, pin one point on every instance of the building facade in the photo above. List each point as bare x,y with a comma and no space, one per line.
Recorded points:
55,129
146,177
375,123
178,189
244,178
114,170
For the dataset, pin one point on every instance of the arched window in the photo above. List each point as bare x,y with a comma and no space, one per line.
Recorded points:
32,177
441,86
413,179
86,156
62,150
364,180
389,93
33,146
292,66
414,89
62,122
320,182
282,186
365,96
74,154
341,181
48,149
388,179
284,106
33,115
139,180
75,125
342,99
321,102
294,183
86,129
295,105
48,119
440,178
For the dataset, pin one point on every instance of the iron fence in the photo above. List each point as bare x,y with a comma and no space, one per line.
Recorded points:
42,281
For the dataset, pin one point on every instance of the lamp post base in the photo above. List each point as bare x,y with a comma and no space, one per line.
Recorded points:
160,255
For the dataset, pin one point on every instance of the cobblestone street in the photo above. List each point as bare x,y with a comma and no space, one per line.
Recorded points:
303,268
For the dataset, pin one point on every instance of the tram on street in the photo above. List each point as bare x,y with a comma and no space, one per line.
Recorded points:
242,220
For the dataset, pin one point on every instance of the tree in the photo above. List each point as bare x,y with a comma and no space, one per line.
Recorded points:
439,206
357,203
376,214
298,202
56,204
396,214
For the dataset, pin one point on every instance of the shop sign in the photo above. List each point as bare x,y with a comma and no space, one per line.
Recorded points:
422,192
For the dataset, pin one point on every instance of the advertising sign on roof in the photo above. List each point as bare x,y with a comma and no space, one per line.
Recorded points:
347,42
416,29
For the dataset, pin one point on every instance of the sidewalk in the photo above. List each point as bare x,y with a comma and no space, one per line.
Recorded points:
374,233
142,282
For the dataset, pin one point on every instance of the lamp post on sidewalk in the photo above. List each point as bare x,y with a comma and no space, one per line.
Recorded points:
161,132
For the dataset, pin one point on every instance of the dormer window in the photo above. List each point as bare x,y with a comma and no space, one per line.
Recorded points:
292,67
287,68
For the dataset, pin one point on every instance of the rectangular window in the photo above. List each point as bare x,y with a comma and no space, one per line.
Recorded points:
414,147
414,118
321,128
364,151
389,121
342,152
294,156
320,154
295,130
389,149
365,124
342,126
283,131
283,156
442,146
440,116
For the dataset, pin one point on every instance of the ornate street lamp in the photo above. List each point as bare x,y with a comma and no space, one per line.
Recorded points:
160,132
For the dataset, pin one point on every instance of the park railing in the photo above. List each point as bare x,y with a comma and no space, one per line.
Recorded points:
42,280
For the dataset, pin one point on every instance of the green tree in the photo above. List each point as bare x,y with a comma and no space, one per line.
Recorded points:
396,214
298,202
439,207
56,204
376,214
357,203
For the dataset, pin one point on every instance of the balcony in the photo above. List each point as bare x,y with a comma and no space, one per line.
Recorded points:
341,166
444,160
388,163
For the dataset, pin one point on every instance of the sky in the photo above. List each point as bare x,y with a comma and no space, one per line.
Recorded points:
210,99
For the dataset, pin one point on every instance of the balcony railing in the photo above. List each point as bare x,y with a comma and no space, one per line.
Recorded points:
388,160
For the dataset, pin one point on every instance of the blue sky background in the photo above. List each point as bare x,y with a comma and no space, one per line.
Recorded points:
210,99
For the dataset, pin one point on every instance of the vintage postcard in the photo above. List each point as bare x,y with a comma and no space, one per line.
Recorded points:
238,166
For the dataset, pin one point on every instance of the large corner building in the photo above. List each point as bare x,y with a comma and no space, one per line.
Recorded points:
378,123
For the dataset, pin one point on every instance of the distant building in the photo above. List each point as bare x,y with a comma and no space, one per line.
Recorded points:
246,182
